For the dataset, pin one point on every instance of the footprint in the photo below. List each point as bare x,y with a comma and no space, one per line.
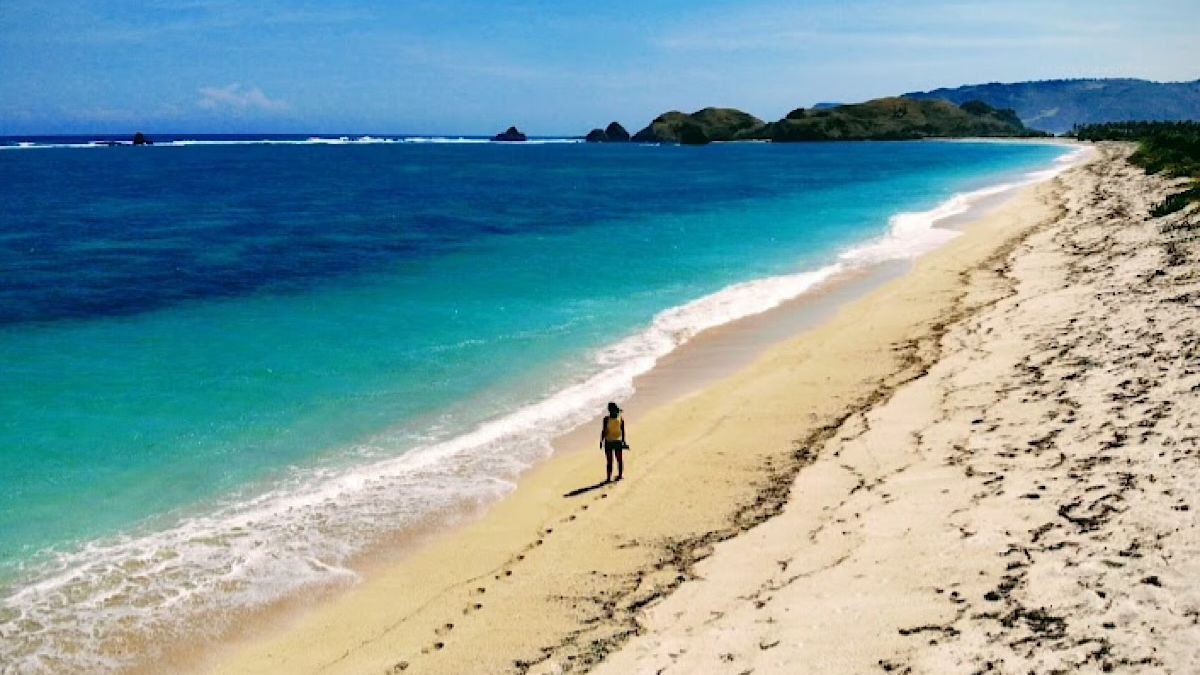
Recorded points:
445,628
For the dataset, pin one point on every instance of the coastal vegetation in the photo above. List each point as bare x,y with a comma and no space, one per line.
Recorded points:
882,119
1170,148
1058,105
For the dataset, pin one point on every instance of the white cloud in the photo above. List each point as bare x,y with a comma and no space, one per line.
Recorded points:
238,98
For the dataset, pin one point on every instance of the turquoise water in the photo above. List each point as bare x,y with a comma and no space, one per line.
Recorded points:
245,363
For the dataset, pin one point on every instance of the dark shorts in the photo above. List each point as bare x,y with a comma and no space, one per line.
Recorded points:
609,446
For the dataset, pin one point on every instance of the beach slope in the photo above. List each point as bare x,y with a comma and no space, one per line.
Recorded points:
1026,505
985,461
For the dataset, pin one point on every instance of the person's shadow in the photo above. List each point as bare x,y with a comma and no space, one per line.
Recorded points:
578,491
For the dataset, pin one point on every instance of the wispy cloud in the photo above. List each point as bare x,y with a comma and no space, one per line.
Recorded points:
238,98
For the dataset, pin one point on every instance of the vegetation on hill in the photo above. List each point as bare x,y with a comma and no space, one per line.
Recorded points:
1171,148
895,119
881,119
702,126
1057,105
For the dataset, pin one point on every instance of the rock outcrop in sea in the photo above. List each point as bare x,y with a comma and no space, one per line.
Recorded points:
140,139
614,133
510,135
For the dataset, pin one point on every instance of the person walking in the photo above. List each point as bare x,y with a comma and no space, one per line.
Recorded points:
612,439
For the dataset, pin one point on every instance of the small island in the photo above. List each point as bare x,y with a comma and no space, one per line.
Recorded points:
510,135
614,133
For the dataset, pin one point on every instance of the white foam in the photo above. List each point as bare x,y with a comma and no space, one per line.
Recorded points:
76,613
303,532
914,234
472,141
312,140
444,139
28,145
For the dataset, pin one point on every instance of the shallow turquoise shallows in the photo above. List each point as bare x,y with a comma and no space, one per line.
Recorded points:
224,369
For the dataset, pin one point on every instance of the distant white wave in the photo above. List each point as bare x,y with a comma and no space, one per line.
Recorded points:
445,139
29,145
78,612
312,140
469,140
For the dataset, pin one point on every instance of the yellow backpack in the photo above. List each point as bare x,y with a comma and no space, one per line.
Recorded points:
612,428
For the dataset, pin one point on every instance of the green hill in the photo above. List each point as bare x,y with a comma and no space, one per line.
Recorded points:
1058,105
881,119
894,119
702,126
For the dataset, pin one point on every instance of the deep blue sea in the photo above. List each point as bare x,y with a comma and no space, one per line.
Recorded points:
227,367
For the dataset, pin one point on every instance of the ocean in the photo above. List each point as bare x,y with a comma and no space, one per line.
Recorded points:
229,366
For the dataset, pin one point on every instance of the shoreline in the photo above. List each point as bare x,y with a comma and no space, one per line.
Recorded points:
713,354
534,483
1024,503
359,140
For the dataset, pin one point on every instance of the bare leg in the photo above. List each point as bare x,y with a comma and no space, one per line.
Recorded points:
608,464
620,464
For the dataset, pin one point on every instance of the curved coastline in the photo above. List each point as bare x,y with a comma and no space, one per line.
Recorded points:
624,563
671,335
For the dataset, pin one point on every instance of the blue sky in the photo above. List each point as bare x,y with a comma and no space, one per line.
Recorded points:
551,67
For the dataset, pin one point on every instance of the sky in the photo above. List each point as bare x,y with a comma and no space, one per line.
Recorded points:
548,66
